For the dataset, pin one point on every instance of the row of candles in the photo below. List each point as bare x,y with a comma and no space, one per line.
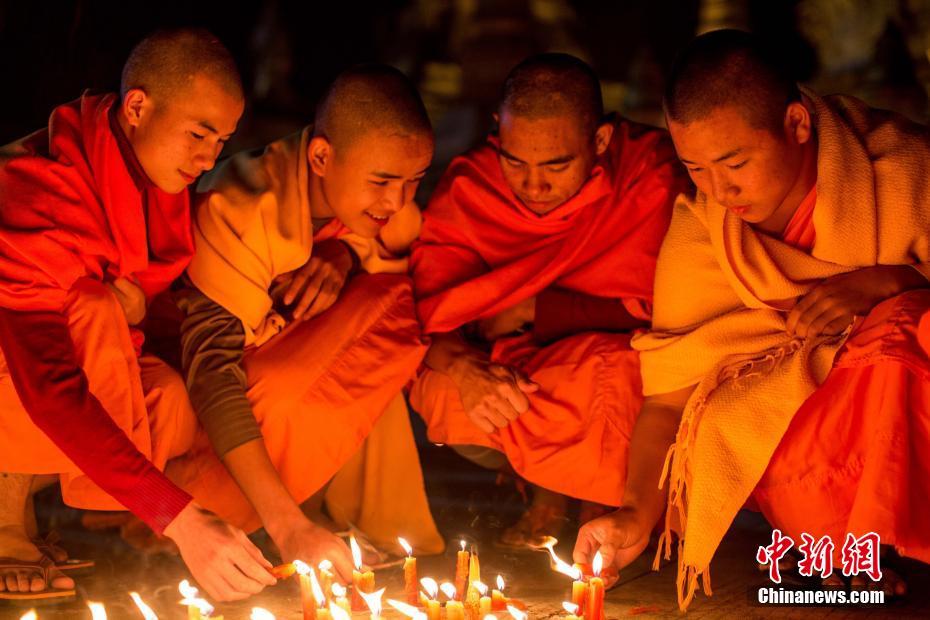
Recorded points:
322,598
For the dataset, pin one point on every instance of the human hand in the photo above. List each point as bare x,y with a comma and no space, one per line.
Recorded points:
221,558
507,321
620,536
318,283
833,304
493,395
130,297
312,544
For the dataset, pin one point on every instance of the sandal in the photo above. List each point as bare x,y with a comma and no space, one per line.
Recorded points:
48,547
44,566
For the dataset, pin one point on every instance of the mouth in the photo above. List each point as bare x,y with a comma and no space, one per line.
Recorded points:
739,210
187,177
380,220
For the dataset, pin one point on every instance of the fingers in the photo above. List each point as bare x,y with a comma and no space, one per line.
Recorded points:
515,401
251,561
329,293
801,308
342,562
585,546
299,279
479,417
255,552
311,291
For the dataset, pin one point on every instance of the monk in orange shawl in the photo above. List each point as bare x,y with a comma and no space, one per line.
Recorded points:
788,359
299,328
535,262
94,222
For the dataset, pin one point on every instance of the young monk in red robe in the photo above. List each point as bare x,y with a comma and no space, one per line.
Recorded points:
94,221
788,359
300,332
535,262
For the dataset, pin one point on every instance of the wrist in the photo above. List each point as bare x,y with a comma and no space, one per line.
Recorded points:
285,522
908,277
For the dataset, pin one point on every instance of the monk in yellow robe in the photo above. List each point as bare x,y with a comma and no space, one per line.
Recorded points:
788,357
299,329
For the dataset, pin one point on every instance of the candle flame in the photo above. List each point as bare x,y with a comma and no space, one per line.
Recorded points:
408,610
429,584
449,590
549,542
373,600
325,565
560,565
463,544
97,611
261,614
490,617
316,589
301,567
597,564
570,608
500,583
337,612
29,615
339,590
191,599
518,614
356,553
147,612
406,546
482,589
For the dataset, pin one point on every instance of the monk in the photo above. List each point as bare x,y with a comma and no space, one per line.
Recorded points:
299,328
788,357
94,221
535,262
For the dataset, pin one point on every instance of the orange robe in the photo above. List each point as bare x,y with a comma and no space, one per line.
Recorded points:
482,251
875,409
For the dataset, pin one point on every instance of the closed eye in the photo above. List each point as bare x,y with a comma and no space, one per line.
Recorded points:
379,183
737,166
196,135
558,168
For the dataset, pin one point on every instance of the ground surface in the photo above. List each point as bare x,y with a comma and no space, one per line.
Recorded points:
466,503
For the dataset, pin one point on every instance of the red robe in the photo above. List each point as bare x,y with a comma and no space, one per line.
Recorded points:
75,204
481,251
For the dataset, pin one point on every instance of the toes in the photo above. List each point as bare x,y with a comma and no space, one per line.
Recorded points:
60,581
12,582
36,584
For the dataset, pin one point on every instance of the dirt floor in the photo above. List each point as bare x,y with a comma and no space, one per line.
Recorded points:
466,503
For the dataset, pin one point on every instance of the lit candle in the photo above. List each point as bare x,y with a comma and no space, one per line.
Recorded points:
484,603
97,612
373,600
517,614
498,600
261,614
338,612
594,610
29,615
433,610
307,601
362,581
339,597
408,610
326,579
461,572
146,611
410,573
579,587
454,609
197,607
572,610
283,571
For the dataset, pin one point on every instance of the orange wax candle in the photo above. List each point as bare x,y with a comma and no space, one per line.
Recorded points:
323,614
326,582
594,609
484,606
343,602
410,580
361,582
498,601
307,601
455,611
433,610
193,612
461,573
579,594
471,607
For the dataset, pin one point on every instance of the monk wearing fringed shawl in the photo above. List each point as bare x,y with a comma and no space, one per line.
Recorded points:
300,332
788,359
535,262
94,221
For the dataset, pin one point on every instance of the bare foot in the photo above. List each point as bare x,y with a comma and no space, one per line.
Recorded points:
15,543
620,536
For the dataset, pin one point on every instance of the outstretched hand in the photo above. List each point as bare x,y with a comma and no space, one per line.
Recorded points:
620,536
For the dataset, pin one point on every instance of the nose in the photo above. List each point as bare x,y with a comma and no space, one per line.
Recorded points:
722,188
395,197
535,185
206,156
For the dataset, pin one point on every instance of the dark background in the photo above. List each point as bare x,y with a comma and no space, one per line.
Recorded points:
457,51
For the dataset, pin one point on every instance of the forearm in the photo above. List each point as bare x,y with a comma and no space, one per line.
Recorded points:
448,352
252,469
653,435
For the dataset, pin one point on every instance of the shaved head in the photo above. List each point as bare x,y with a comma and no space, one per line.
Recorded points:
730,68
165,63
368,98
551,85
